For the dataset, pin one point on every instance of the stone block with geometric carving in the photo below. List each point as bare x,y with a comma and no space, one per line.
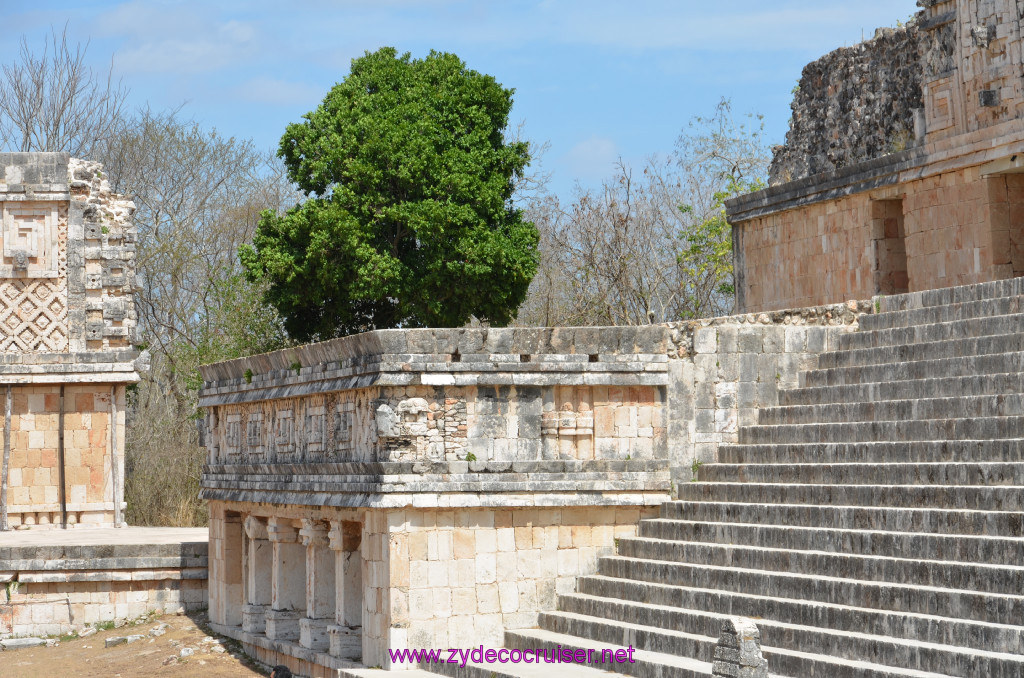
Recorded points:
67,322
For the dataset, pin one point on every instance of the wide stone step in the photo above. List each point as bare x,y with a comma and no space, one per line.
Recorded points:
863,431
781,662
994,608
610,619
977,498
923,451
937,521
967,310
965,366
853,473
975,549
942,331
950,348
646,664
951,296
507,669
978,385
1004,405
938,573
833,615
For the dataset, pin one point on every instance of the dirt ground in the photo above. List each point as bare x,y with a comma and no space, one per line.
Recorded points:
158,653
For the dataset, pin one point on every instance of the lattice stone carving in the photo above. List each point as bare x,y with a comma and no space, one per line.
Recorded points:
33,316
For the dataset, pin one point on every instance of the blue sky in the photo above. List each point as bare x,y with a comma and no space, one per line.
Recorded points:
597,79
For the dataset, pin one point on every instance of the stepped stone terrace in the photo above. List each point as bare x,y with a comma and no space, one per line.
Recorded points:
425,488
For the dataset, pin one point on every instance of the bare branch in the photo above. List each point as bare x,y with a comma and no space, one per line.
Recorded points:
53,101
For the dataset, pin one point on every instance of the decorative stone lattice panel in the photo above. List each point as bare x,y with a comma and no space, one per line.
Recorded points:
34,298
33,316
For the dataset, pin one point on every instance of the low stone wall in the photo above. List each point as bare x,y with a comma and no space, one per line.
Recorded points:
736,365
56,588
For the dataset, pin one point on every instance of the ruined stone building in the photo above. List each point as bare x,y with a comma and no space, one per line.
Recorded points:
67,318
67,326
902,169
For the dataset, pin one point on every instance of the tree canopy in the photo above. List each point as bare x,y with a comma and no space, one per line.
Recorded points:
408,219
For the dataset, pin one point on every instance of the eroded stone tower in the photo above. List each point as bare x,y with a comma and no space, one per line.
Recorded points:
67,319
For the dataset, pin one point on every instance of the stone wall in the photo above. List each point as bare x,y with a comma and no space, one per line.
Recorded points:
736,365
34,477
58,588
853,104
949,229
938,213
67,323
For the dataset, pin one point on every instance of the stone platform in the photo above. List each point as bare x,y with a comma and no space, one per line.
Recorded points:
56,581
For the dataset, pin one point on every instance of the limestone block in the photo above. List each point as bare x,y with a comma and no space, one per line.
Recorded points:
388,422
738,651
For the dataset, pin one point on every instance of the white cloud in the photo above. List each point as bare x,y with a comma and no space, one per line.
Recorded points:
185,38
274,91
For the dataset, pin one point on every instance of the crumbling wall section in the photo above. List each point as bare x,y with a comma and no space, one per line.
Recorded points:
854,104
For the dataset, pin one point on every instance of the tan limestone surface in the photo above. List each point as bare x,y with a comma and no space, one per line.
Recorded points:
97,536
151,656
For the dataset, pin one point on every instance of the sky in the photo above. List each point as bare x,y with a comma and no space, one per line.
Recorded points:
597,80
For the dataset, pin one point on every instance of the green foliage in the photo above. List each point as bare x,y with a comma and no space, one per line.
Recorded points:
695,467
248,376
297,367
706,253
470,456
238,325
732,159
409,219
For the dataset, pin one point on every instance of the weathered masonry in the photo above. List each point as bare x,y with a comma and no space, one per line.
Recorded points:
67,317
902,169
432,488
67,320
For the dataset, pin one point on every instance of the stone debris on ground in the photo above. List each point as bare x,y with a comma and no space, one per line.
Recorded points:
19,643
171,646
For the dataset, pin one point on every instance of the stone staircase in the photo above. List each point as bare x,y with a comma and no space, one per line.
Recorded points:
871,524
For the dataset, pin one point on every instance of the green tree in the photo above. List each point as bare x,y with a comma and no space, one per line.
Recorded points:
408,219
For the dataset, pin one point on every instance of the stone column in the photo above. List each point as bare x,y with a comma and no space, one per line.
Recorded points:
258,571
320,593
346,633
230,554
288,591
